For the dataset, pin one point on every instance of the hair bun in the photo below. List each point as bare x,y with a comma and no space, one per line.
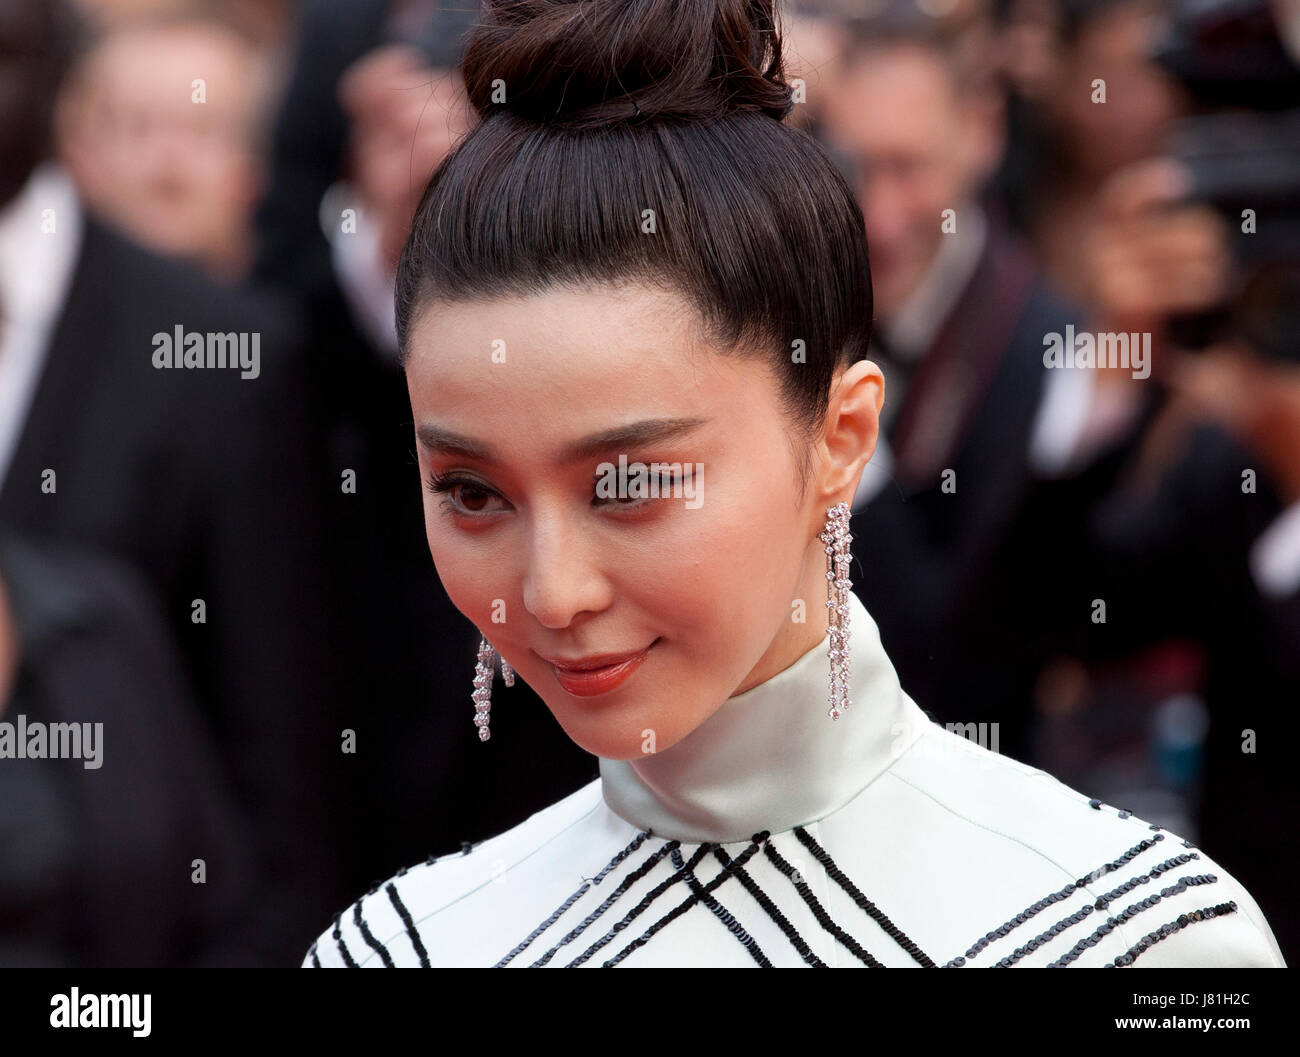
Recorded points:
594,63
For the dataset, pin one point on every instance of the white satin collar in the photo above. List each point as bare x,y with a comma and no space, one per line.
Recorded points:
771,758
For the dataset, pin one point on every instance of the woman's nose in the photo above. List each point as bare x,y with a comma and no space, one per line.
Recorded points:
563,577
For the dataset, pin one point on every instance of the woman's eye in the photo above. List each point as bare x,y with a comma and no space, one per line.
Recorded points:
472,497
464,495
664,486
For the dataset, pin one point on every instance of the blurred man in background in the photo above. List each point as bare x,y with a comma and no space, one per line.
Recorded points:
201,478
961,311
161,127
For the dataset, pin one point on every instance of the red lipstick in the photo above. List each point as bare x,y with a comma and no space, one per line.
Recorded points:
598,673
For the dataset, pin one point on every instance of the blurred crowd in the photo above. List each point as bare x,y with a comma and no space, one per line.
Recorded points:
1089,563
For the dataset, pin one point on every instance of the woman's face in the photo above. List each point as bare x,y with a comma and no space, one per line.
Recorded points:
524,408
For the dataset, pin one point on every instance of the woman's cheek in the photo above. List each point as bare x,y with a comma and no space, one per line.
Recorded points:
693,587
472,580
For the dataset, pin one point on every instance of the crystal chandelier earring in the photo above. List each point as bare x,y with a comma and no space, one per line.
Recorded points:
837,538
482,694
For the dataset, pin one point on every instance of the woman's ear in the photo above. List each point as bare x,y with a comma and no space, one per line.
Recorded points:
852,426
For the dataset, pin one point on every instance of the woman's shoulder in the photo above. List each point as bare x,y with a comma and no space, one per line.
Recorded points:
383,926
1021,820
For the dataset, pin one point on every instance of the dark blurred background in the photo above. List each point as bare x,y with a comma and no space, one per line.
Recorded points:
1091,568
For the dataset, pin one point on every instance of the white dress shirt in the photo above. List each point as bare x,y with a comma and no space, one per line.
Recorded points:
40,241
773,835
362,274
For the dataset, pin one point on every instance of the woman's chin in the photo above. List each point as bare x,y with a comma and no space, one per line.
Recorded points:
613,738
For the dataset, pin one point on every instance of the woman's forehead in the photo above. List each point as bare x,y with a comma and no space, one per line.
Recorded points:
582,343
562,315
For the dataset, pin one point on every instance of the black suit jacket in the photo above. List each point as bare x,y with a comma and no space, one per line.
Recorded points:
204,480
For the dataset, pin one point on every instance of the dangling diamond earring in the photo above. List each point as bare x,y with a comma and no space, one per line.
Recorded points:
482,694
837,538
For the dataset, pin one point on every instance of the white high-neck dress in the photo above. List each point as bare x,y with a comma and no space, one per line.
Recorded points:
773,835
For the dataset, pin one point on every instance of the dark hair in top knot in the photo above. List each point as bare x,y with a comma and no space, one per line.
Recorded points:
635,142
586,63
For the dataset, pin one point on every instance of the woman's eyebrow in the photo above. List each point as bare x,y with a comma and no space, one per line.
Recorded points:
647,431
436,439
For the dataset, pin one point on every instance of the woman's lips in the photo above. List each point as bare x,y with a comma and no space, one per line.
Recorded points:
589,676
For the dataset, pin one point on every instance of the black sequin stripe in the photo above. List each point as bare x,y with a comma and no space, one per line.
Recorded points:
1167,930
699,894
609,901
723,914
644,905
315,958
1131,911
763,900
1169,864
582,889
411,931
1054,897
1101,904
1043,938
837,875
819,912
369,936
343,947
